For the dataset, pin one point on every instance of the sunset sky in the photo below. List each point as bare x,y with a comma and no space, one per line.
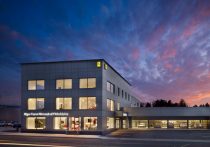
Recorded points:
161,46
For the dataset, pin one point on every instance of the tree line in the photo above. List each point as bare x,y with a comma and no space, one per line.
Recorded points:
169,103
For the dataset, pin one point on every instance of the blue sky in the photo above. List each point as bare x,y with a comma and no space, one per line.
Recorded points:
162,47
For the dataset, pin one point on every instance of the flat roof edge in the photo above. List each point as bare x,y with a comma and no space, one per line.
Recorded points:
72,61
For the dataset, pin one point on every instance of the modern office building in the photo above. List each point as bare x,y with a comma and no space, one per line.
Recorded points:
71,96
90,96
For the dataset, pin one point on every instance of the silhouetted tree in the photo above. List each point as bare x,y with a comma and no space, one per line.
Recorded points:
182,103
141,104
207,105
170,104
195,106
148,104
160,103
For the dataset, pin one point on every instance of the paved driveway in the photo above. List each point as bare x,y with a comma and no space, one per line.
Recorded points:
162,134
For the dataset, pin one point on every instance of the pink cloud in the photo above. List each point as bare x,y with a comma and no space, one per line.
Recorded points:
168,53
135,54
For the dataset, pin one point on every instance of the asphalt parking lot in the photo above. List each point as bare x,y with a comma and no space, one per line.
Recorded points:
162,134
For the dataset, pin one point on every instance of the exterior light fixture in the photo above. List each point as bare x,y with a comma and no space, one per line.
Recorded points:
98,64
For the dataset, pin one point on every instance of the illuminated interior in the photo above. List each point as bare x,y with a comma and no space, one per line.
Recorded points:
110,122
110,105
35,122
87,103
90,123
64,103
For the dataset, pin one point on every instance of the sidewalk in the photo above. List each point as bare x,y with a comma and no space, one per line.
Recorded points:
49,135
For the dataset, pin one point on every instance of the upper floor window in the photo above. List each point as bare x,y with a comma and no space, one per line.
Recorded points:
35,103
36,85
129,97
64,103
118,91
110,87
87,103
64,84
110,105
87,83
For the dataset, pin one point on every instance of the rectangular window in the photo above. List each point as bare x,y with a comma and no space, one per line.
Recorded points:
87,103
110,87
60,123
36,84
64,84
129,97
118,106
35,122
75,123
64,103
118,92
35,103
110,122
110,105
87,83
90,123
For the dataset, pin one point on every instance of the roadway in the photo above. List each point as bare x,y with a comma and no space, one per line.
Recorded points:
121,138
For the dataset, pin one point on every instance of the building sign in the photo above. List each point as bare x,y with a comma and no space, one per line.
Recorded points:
46,114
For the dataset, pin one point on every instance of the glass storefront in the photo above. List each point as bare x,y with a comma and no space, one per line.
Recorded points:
110,122
35,123
139,123
182,124
60,123
176,124
157,123
198,124
117,123
90,123
75,123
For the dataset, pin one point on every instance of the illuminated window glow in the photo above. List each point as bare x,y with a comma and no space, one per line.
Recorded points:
87,103
35,103
110,105
90,123
36,85
35,122
64,103
87,83
64,84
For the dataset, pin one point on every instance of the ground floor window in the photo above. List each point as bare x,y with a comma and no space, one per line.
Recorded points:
177,124
124,125
117,123
110,122
158,123
139,123
75,123
195,124
35,123
60,123
90,123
